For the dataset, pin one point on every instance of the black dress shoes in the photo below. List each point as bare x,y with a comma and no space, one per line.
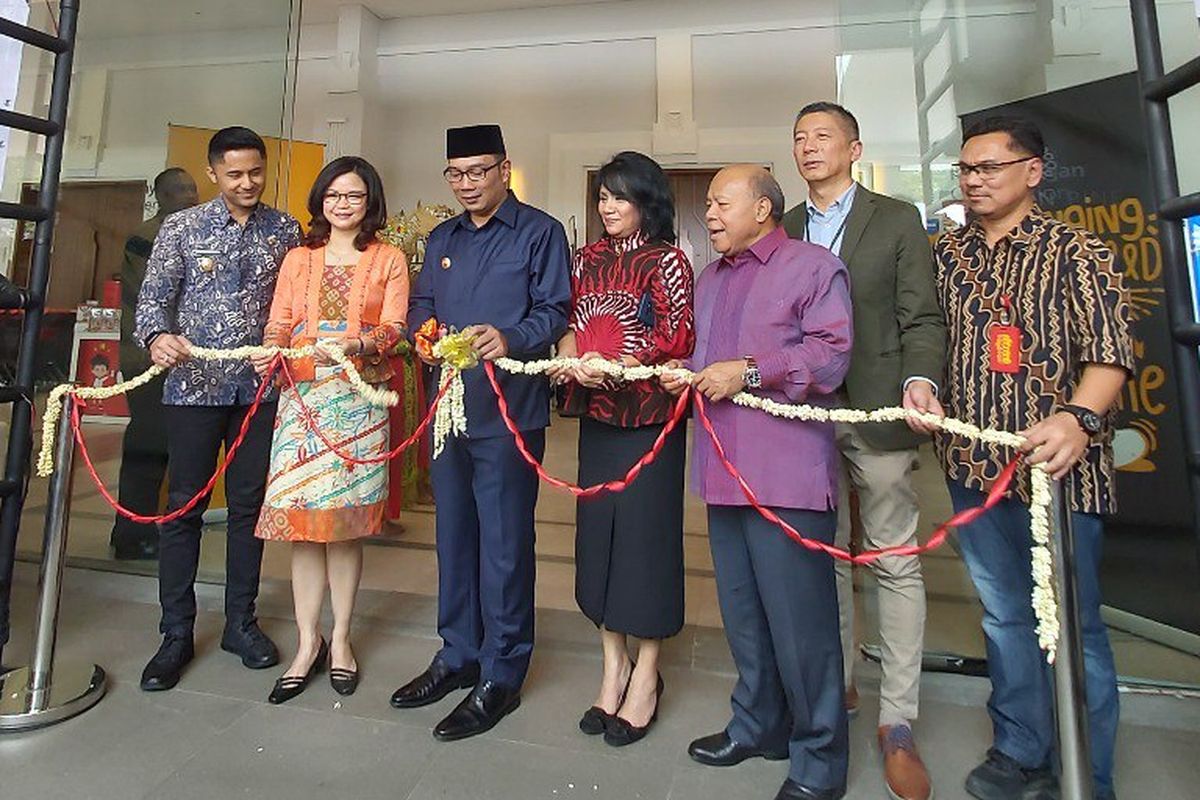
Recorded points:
433,684
596,720
718,750
343,681
163,671
288,687
247,641
135,549
794,791
486,705
622,732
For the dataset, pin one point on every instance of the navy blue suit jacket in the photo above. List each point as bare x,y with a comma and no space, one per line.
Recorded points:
512,273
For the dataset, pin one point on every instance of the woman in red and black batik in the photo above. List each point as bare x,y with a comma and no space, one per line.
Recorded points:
631,298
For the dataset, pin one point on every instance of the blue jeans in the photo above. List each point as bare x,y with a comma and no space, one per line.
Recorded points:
996,549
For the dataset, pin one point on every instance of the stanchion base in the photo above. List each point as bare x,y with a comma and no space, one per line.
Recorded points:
74,688
935,661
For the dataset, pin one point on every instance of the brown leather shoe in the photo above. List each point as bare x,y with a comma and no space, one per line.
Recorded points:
852,701
902,766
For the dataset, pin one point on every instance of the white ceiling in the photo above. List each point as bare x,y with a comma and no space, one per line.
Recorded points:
317,11
105,19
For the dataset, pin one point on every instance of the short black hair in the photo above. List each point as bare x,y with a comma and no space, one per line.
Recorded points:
639,179
839,111
376,215
235,138
169,178
101,360
1023,135
763,184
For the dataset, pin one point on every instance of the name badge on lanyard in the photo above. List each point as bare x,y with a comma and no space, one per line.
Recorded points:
1004,343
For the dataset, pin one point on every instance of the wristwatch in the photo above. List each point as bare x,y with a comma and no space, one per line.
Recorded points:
1089,420
751,376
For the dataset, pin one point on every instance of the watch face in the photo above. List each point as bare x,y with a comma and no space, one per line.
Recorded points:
1091,422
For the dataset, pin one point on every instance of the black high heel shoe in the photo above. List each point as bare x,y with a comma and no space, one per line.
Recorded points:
621,732
343,681
287,687
596,720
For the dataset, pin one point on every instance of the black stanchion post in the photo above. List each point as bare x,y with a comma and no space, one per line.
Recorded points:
43,694
1070,687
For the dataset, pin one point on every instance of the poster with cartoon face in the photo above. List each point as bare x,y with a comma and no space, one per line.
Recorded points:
98,364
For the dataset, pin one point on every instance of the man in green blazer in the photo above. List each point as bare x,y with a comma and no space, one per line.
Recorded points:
898,358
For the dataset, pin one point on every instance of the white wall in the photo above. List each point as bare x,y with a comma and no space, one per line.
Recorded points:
572,85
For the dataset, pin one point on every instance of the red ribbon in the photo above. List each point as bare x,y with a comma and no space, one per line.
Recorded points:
208,487
677,415
998,492
310,423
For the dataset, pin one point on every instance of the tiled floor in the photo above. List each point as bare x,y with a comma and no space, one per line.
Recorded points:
214,737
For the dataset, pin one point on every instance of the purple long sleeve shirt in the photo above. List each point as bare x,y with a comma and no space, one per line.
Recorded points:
787,304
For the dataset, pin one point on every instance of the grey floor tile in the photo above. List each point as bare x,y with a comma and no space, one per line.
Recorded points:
487,769
295,754
118,750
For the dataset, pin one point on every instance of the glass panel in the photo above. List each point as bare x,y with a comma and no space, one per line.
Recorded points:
141,81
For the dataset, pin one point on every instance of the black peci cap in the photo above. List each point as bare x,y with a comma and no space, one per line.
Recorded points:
474,140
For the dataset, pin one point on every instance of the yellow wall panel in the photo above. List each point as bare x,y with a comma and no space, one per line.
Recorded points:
187,147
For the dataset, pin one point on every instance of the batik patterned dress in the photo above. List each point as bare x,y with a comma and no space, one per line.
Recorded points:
315,493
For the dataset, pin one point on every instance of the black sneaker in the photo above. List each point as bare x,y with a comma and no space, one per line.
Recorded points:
164,669
1047,788
999,777
247,641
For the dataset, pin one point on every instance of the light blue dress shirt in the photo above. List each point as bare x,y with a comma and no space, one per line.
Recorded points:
828,228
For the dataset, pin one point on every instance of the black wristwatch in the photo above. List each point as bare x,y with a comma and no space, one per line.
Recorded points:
1089,420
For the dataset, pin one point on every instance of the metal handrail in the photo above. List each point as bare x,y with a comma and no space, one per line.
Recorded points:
33,37
23,212
25,122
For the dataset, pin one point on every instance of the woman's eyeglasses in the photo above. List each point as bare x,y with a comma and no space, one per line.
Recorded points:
353,199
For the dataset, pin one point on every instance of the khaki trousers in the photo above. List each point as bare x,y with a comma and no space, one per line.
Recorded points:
887,506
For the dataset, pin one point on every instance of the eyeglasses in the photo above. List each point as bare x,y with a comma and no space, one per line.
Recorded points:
353,199
474,174
988,170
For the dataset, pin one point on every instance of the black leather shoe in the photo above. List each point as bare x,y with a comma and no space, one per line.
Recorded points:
343,681
486,705
247,641
288,687
596,720
718,750
163,671
794,791
136,549
433,684
622,732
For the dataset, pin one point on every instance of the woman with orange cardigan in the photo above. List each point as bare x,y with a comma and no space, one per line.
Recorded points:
343,287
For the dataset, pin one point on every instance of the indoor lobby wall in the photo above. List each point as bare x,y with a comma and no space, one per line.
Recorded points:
572,85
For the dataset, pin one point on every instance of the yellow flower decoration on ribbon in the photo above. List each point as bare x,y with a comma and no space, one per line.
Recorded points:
457,350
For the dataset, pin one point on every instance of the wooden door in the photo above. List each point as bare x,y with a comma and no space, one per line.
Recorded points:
690,187
94,220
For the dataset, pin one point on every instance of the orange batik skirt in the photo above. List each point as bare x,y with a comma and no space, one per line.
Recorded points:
313,494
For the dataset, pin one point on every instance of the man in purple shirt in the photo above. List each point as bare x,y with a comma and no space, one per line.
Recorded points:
773,317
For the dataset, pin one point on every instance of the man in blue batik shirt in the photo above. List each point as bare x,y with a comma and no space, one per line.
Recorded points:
209,282
500,271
